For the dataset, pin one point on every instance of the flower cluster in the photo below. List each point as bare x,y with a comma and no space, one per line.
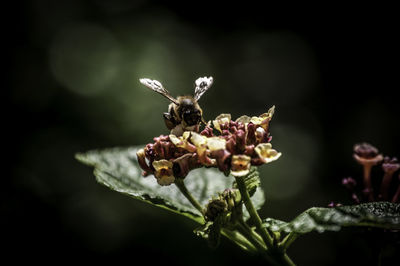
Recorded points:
231,146
368,156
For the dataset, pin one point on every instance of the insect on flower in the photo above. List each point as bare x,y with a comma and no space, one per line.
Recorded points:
184,112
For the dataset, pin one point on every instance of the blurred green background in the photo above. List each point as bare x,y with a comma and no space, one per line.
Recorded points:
72,85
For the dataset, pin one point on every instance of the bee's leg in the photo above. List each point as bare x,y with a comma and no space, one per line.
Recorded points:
169,121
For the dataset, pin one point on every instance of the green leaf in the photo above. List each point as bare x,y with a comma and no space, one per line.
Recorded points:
374,214
118,169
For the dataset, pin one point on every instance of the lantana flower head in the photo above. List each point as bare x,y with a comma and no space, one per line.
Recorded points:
231,146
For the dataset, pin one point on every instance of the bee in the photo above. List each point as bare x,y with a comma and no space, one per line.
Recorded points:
184,112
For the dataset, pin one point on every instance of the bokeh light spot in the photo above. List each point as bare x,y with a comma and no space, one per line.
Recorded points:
85,58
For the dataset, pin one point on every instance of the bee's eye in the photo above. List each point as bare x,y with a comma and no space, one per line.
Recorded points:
190,112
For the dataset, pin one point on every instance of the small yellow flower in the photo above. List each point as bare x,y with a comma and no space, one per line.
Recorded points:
260,121
182,141
244,119
263,120
163,172
240,165
216,143
266,153
260,133
176,140
257,120
270,112
197,139
220,120
200,142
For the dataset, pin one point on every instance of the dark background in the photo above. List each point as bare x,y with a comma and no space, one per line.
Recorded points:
72,85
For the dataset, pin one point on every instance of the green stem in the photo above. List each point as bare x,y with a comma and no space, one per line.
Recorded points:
256,240
181,185
250,235
254,233
288,240
273,254
234,236
239,240
287,261
268,240
247,238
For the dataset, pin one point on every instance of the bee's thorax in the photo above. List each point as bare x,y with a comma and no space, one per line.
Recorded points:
188,110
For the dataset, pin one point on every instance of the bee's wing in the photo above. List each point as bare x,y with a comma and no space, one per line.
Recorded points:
158,87
202,85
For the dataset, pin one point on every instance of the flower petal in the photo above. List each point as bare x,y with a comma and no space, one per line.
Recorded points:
266,153
220,120
182,142
197,139
263,119
163,172
260,121
141,155
200,142
244,119
175,140
261,135
270,113
216,143
368,161
240,165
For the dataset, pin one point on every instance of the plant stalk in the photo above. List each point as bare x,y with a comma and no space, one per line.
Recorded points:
182,188
253,233
288,240
250,235
234,236
239,240
253,213
273,254
367,181
277,259
396,195
246,238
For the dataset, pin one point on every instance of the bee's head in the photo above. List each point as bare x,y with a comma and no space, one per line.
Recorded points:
186,102
192,117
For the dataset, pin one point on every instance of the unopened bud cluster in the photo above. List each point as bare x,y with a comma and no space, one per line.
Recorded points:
224,203
231,146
